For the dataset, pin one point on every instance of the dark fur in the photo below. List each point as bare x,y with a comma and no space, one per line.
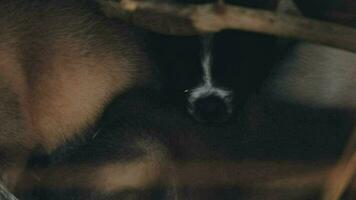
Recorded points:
241,60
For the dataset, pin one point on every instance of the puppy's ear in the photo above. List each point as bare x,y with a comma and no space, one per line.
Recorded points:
288,7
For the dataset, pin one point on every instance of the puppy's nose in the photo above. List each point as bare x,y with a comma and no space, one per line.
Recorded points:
210,109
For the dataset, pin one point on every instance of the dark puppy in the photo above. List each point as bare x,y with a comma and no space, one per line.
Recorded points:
214,74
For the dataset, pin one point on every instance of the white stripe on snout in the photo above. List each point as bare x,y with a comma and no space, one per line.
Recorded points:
206,60
207,87
208,90
205,91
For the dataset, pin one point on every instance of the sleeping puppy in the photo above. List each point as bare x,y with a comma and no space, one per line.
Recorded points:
213,75
60,64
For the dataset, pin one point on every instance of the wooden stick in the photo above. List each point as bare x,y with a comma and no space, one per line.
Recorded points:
5,194
342,175
194,19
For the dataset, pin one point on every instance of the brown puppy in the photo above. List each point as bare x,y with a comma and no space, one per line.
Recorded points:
60,63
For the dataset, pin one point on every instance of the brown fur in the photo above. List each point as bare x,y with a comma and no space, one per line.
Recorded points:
59,65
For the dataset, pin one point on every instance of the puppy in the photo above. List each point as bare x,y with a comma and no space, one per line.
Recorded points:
60,64
213,75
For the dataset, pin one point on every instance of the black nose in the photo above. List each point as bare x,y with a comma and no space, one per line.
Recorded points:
210,109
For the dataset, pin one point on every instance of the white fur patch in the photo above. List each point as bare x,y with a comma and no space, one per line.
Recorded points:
206,60
208,88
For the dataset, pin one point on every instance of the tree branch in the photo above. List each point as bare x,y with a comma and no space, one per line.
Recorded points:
5,194
194,19
344,172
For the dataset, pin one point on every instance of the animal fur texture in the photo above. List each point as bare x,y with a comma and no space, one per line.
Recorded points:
60,64
314,74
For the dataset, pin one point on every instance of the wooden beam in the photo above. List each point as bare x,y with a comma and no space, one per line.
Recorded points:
195,19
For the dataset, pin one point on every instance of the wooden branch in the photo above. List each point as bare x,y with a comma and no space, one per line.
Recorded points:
194,19
342,175
5,194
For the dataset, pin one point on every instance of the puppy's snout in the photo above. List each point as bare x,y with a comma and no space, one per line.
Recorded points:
210,108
